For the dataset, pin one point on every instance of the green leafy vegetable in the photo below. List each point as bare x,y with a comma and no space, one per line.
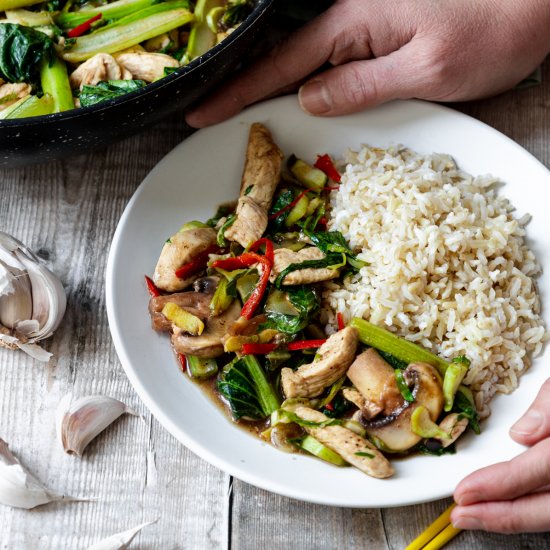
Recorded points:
236,13
21,51
435,450
283,201
367,455
392,360
333,241
466,409
226,225
102,91
223,211
245,386
340,405
403,386
304,300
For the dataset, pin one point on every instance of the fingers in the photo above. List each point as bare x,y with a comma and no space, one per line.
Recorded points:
522,475
361,84
534,425
339,35
530,513
304,52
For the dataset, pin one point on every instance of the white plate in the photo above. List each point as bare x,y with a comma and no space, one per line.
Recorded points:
205,171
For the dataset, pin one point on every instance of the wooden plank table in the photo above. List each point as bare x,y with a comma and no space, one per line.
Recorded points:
136,471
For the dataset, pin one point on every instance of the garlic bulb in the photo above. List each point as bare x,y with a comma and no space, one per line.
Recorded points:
18,487
81,421
120,541
32,299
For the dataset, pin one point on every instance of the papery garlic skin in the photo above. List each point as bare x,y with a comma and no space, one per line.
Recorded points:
32,299
79,422
120,541
18,487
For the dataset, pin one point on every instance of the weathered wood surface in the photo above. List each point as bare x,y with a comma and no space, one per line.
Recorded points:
136,471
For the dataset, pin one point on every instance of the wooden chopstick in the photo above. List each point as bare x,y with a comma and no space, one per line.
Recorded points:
439,533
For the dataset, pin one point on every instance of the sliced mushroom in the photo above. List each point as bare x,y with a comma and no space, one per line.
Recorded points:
260,177
196,303
353,448
283,257
375,380
210,342
394,430
335,356
367,409
10,93
98,68
180,249
146,65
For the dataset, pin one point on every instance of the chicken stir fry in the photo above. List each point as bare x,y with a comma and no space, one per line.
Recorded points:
60,55
240,296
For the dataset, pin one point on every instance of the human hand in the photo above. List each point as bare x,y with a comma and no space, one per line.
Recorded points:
442,50
513,496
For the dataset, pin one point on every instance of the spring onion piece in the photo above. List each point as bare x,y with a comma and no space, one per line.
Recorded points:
110,40
298,211
202,37
316,448
201,367
423,426
192,225
246,285
29,106
307,175
212,19
14,4
29,18
223,297
384,340
221,232
55,82
454,375
114,10
403,386
183,319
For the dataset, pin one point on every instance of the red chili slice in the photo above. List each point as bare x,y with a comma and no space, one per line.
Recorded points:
84,27
340,321
197,265
257,349
325,164
151,287
305,344
246,260
289,206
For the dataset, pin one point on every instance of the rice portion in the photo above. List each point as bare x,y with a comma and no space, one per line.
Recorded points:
448,264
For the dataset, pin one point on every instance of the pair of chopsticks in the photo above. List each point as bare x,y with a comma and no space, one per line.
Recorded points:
437,535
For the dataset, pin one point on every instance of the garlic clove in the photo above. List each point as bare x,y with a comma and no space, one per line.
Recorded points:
18,487
32,298
120,541
80,421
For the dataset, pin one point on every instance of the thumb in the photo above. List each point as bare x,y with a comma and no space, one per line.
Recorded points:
534,425
357,85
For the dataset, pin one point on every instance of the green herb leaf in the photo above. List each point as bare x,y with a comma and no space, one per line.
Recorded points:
305,300
110,89
368,455
21,51
228,223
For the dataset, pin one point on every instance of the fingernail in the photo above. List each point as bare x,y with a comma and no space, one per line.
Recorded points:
465,522
528,424
314,98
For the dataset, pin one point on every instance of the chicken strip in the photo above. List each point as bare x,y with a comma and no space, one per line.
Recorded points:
336,355
262,169
353,448
180,249
283,257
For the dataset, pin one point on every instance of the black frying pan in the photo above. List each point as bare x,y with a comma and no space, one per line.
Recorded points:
44,138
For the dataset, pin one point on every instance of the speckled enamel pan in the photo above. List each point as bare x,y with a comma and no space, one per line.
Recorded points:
50,137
